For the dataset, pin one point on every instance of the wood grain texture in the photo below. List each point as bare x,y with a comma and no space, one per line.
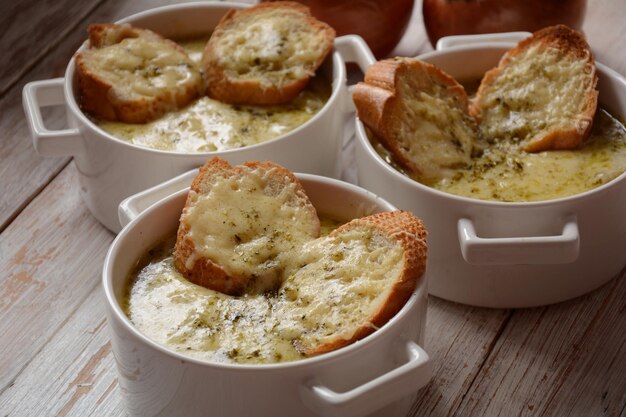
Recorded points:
74,374
458,339
51,256
31,29
23,173
564,360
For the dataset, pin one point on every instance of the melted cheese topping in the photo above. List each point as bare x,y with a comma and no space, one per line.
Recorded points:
505,172
334,284
208,125
443,140
143,67
247,227
273,47
541,89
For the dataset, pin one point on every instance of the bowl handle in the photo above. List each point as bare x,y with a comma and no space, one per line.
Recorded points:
463,40
353,49
372,395
532,250
134,205
36,95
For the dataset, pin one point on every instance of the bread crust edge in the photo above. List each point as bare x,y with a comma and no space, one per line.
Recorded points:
411,234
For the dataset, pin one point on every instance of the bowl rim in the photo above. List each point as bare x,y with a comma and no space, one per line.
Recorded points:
112,303
336,84
375,158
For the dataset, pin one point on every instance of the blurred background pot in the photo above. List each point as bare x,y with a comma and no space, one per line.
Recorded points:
380,23
460,17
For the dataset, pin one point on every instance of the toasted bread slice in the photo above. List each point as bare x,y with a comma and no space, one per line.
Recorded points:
238,223
420,114
265,54
542,93
346,285
134,75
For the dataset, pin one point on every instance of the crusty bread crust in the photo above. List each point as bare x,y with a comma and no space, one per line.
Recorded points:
409,231
571,45
232,88
399,231
107,34
383,104
208,272
104,100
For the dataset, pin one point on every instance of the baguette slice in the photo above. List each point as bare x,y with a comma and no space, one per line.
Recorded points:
134,75
265,54
420,114
239,222
354,280
542,93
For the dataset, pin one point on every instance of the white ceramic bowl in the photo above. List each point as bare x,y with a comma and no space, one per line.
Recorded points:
376,373
498,254
111,169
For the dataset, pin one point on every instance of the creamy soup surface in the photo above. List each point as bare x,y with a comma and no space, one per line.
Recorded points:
206,324
208,125
505,172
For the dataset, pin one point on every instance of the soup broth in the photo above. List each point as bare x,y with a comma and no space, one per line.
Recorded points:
505,172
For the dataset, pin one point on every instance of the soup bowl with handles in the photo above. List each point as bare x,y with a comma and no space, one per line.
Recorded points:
509,254
111,169
372,377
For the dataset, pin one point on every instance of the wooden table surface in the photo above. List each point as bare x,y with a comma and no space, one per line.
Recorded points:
567,359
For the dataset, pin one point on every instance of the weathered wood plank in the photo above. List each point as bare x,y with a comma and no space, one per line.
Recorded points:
564,360
458,339
74,374
51,256
23,174
32,29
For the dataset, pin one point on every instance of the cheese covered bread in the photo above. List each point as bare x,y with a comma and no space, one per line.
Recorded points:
337,289
353,281
134,75
542,93
239,222
420,114
265,54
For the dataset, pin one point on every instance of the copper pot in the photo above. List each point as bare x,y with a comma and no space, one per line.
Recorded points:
460,17
380,23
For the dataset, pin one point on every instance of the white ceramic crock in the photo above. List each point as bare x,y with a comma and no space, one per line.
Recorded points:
497,254
110,169
374,376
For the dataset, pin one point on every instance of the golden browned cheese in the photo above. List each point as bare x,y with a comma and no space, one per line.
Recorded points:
208,125
265,54
505,172
238,224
